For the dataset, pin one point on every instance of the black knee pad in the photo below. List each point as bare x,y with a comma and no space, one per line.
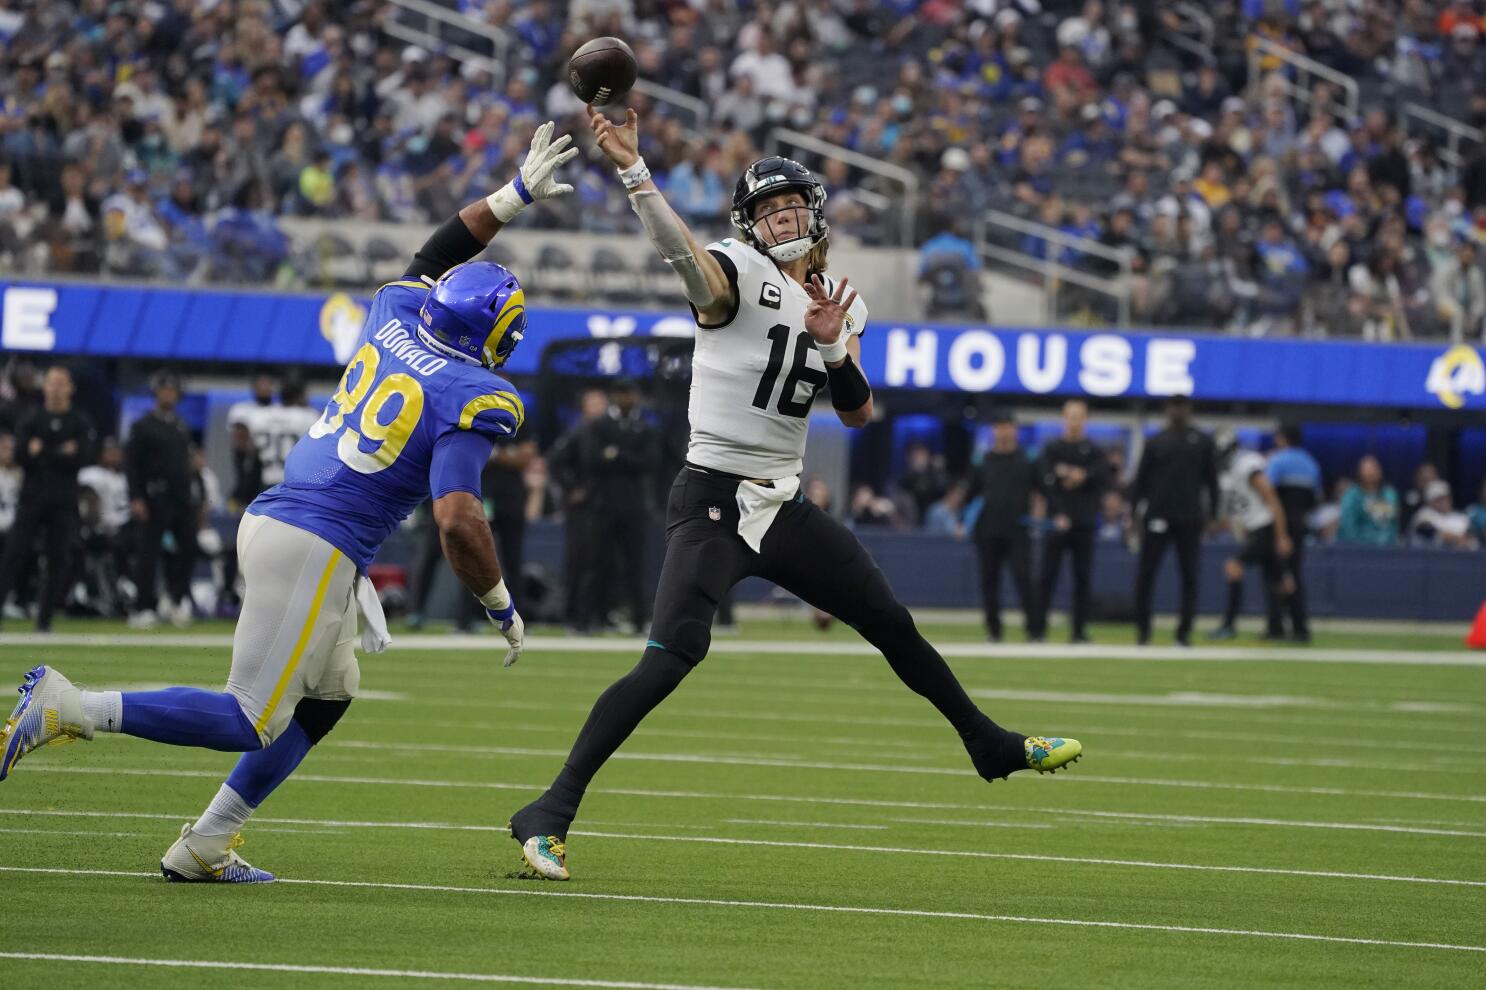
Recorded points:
317,716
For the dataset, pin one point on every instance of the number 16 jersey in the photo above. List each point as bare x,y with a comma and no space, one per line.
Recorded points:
755,374
404,425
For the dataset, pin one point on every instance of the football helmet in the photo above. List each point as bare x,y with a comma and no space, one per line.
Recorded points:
475,312
771,176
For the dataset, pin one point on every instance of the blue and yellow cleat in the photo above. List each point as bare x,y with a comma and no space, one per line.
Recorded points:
1047,755
50,711
546,855
209,859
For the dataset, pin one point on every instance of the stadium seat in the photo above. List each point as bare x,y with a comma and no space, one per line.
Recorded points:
954,289
613,279
385,261
337,262
557,275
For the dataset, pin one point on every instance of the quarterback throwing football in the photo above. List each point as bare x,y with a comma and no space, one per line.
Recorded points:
772,331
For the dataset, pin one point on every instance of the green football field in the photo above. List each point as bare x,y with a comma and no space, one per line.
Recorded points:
792,817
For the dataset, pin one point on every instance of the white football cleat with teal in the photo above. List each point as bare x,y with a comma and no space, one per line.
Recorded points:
1046,754
209,859
547,856
50,710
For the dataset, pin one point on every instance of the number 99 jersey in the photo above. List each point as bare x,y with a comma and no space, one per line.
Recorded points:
754,376
405,424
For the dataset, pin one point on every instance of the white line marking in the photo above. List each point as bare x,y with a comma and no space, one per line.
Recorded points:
1026,857
725,840
814,648
69,831
424,782
772,821
831,908
403,974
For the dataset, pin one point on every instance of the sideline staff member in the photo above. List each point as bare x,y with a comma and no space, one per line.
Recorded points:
1005,481
1177,466
1073,473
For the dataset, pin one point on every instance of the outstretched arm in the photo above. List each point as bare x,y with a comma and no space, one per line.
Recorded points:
706,284
464,235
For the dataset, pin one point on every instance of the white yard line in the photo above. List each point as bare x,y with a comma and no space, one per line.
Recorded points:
401,974
426,782
806,648
886,850
793,906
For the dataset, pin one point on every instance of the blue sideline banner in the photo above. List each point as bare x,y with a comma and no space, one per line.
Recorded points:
269,328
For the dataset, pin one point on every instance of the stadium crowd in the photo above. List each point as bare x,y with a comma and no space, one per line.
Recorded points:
95,524
167,139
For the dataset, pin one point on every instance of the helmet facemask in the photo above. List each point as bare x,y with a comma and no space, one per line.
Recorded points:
771,177
810,226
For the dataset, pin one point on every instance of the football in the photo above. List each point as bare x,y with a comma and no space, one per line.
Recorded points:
602,71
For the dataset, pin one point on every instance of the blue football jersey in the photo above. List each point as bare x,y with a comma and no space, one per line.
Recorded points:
404,425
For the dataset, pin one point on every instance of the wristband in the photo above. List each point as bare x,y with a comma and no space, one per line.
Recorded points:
509,200
520,188
834,351
636,175
849,388
496,598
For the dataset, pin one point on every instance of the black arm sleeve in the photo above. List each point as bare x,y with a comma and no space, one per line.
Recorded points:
849,388
452,244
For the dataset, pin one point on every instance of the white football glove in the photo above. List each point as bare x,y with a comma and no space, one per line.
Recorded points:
536,179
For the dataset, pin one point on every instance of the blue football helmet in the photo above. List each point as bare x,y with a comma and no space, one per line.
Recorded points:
476,313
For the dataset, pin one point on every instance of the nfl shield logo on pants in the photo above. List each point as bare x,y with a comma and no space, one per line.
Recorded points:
714,513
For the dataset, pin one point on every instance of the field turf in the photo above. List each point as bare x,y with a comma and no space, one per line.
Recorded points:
792,817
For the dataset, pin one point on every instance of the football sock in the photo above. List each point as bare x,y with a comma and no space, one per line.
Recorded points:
259,772
227,814
995,751
105,709
1235,603
615,715
183,716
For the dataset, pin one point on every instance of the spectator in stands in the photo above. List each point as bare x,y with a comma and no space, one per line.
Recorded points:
1114,518
924,480
1477,515
138,243
158,462
52,443
1458,287
1425,474
1369,510
1325,519
14,223
1438,523
870,509
946,517
73,223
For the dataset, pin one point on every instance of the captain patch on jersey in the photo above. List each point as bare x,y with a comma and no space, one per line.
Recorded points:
754,424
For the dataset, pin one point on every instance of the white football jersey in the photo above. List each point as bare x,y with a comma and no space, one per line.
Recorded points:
112,489
275,430
755,375
1245,505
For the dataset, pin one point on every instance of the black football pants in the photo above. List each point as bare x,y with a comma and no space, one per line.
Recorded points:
994,551
54,525
1187,539
1078,542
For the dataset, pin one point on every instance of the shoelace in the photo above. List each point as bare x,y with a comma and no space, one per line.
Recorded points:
234,842
558,849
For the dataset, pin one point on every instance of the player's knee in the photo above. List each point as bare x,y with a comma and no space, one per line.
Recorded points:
248,717
1232,569
688,639
317,716
888,625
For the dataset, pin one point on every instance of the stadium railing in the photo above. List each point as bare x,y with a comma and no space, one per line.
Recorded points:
1306,71
1414,116
446,31
991,239
783,137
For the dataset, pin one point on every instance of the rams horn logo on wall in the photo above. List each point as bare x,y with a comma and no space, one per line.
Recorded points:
1455,374
341,318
